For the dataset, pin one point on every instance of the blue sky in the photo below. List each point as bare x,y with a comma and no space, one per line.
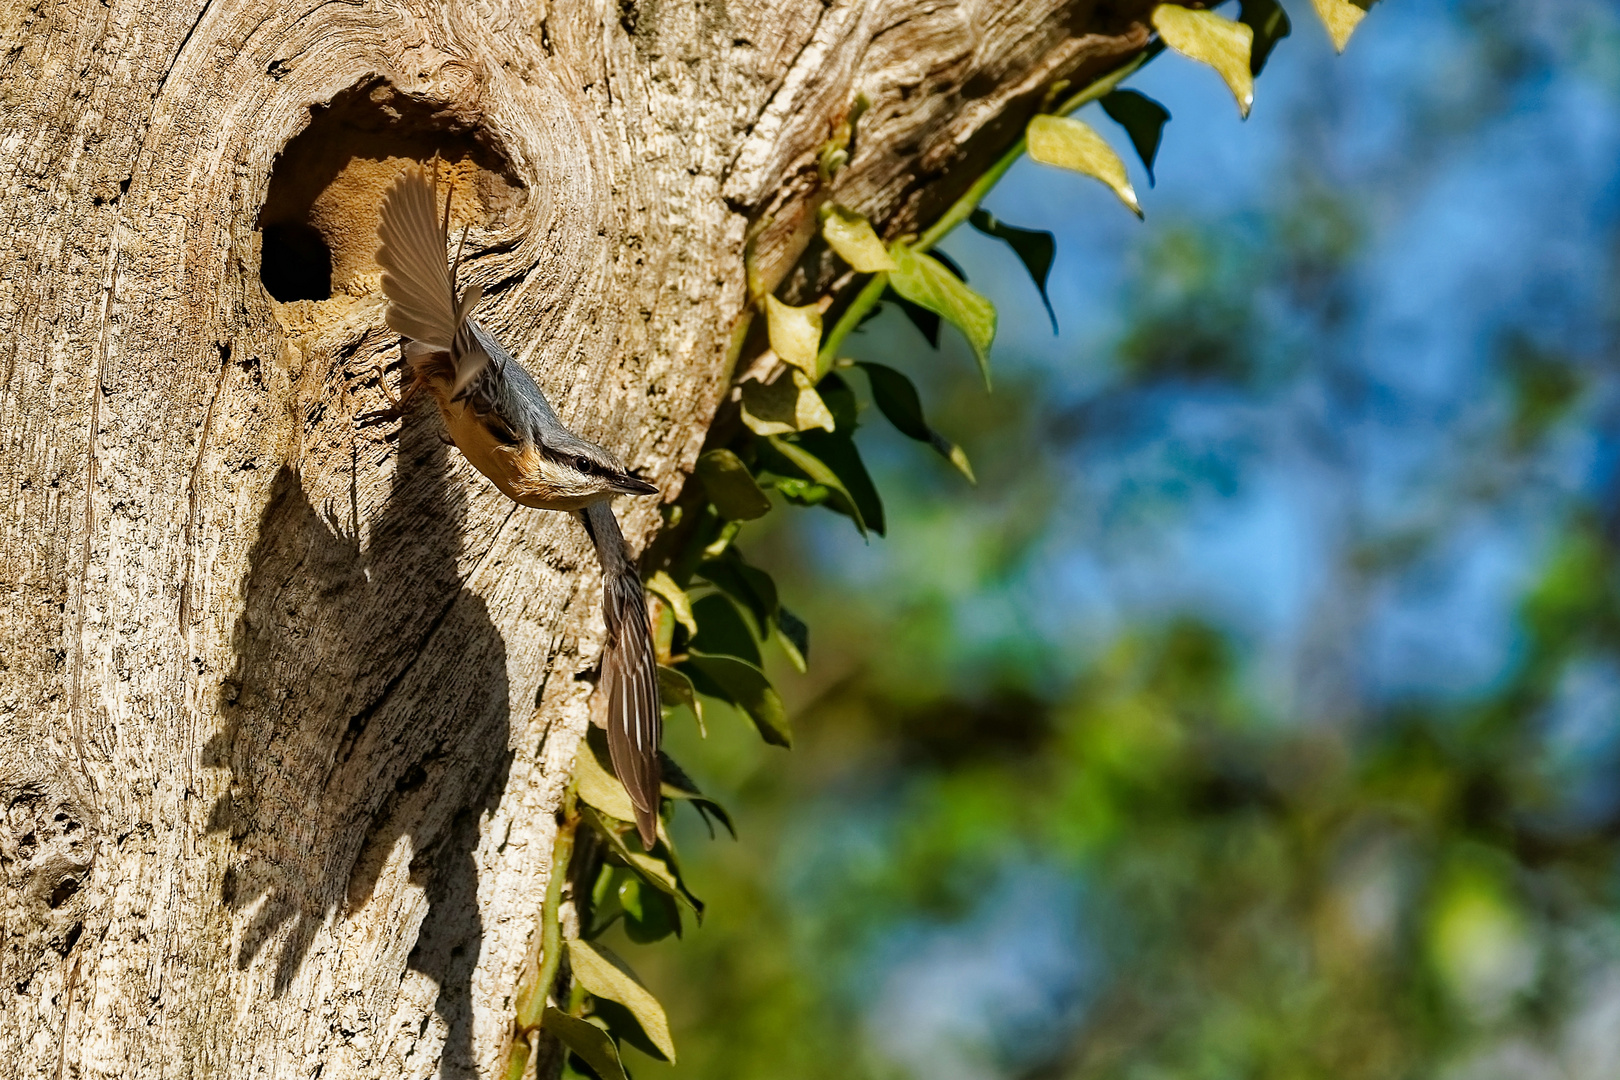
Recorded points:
1484,194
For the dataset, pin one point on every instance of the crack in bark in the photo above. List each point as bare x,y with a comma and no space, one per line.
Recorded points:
67,1015
168,69
76,704
746,142
191,495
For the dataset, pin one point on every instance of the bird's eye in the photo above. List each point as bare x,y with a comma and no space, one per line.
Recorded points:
584,465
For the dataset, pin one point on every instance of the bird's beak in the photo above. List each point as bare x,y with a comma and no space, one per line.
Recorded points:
626,484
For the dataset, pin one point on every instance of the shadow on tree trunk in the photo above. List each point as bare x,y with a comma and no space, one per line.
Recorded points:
368,705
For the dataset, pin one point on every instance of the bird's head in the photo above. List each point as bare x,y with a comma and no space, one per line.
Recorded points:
594,468
572,473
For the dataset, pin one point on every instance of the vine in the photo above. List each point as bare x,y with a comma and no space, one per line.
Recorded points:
791,432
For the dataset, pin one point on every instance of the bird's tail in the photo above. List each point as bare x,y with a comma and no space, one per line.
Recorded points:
418,279
630,667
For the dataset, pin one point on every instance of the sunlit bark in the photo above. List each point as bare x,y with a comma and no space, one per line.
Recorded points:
288,696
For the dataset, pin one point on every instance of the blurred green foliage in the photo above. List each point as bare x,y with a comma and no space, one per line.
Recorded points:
1336,880
1274,900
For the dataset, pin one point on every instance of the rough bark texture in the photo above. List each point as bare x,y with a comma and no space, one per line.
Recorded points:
287,701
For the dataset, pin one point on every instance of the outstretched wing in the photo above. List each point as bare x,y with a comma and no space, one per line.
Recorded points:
416,270
421,292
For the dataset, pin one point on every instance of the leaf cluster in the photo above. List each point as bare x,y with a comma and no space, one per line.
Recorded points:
789,438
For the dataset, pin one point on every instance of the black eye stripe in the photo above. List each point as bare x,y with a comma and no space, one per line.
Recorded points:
582,464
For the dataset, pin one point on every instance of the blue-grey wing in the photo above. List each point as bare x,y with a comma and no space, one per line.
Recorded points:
502,388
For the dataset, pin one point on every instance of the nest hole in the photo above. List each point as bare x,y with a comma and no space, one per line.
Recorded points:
318,226
295,263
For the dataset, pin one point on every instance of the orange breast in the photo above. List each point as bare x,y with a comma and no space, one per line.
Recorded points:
520,472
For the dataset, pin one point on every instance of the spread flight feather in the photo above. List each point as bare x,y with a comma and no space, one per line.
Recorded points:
504,425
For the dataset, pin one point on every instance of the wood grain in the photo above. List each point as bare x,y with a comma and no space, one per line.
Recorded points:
287,700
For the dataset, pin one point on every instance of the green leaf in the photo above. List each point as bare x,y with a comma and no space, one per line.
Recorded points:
662,585
897,399
1034,248
838,452
675,691
649,915
851,236
803,492
926,322
722,631
731,488
794,638
950,264
921,279
604,897
654,870
630,893
1073,144
621,1024
748,585
605,975
744,685
598,787
841,401
593,1045
1270,24
722,539
1143,120
795,333
677,785
784,406
1211,39
1341,17
796,458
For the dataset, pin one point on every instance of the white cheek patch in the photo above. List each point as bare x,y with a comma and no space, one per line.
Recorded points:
543,482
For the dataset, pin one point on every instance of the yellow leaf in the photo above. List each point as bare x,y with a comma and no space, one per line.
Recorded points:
1341,18
851,236
604,975
654,871
795,333
785,406
598,787
1070,144
675,691
679,603
1211,39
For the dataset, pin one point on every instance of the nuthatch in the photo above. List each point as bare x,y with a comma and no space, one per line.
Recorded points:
504,425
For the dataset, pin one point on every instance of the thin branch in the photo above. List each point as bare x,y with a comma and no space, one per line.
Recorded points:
532,993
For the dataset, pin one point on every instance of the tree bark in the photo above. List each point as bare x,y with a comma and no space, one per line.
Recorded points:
288,695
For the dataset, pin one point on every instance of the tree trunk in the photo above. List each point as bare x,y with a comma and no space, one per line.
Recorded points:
289,693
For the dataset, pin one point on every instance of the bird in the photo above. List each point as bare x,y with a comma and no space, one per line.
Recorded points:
500,420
